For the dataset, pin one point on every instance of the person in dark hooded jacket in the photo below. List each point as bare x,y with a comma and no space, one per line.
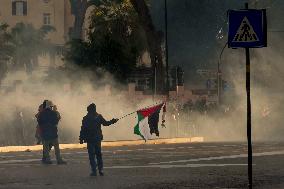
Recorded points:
91,133
48,120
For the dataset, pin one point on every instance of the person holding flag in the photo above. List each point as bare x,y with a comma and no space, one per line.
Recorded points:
91,133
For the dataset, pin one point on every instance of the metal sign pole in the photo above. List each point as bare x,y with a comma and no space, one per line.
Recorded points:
248,114
249,117
247,29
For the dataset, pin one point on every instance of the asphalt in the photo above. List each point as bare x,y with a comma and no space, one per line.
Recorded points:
157,166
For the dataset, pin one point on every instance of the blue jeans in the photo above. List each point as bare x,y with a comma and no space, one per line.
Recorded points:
95,151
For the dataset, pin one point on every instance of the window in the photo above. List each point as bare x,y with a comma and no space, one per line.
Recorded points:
46,19
19,8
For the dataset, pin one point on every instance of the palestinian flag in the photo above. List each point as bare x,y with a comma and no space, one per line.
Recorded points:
148,120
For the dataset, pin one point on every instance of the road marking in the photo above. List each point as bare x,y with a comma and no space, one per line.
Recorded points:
172,152
169,162
222,157
167,148
172,155
209,146
5,157
236,151
19,155
230,145
174,166
105,151
70,153
63,153
146,149
19,161
123,150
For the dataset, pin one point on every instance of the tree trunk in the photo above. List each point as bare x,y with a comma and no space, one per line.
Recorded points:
3,70
52,56
28,65
80,10
35,61
154,42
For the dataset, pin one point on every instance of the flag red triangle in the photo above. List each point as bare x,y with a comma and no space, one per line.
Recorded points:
149,111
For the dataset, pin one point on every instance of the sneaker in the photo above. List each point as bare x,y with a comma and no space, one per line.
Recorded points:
61,162
93,174
101,173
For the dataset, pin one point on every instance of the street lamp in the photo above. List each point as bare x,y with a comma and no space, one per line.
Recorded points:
219,75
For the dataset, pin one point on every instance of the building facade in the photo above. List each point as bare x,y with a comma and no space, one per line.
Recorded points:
56,13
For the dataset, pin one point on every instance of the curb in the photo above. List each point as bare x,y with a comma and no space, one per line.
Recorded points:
104,144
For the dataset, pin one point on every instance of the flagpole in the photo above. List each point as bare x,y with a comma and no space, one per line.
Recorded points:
127,115
140,109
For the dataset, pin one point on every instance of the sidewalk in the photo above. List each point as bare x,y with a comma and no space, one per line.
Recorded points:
106,143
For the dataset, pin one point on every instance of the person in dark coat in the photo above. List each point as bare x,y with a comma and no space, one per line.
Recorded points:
38,131
48,120
91,133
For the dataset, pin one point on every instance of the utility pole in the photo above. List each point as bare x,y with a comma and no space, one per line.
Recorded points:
155,80
218,84
166,49
219,77
177,103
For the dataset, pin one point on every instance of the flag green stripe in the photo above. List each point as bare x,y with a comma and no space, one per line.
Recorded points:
137,131
140,116
136,128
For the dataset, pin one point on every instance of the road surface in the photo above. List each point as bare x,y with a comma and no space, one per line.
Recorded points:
191,165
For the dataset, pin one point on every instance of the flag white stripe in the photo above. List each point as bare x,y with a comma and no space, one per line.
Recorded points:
144,128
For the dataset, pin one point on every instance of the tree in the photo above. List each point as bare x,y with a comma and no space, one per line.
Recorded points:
79,9
154,40
6,50
115,40
29,43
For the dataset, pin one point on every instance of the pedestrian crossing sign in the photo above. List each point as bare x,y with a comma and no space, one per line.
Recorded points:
247,28
245,32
